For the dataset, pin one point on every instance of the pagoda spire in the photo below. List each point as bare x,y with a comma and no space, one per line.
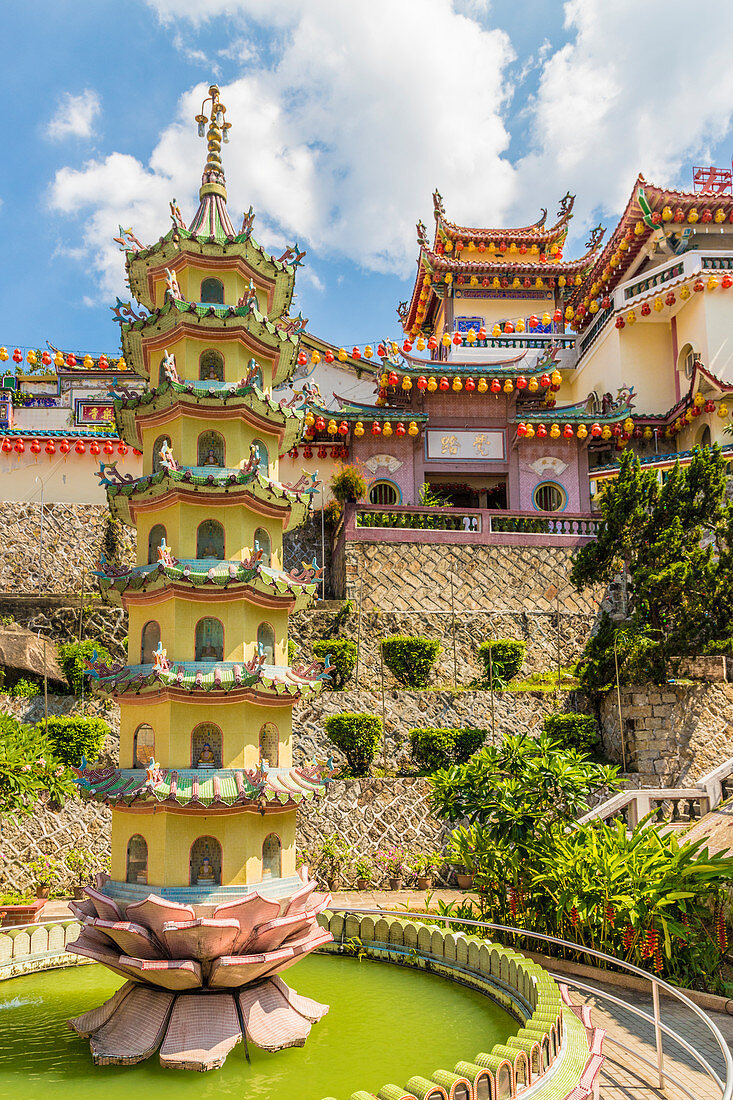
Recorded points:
212,218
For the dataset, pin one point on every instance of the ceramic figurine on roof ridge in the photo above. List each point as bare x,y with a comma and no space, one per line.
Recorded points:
204,897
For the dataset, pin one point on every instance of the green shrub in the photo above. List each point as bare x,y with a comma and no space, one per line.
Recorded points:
75,736
358,737
73,658
349,484
343,658
25,689
573,731
432,749
507,658
410,659
292,651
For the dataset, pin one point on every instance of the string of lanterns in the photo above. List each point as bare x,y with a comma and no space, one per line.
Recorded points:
669,299
431,384
36,358
320,424
622,433
65,446
321,451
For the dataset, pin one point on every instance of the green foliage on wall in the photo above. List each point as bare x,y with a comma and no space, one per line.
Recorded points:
410,659
358,736
75,736
432,749
342,652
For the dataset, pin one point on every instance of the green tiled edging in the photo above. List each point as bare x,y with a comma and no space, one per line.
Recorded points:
545,1057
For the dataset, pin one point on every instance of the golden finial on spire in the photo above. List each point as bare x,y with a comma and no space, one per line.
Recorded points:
213,181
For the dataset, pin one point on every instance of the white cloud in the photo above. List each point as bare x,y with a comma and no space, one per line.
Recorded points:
339,136
625,96
75,116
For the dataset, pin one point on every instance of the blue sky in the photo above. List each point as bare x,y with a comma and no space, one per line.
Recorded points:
345,117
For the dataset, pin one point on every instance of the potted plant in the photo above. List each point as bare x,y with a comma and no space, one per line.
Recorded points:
460,851
79,863
392,862
333,855
348,484
45,873
364,869
424,865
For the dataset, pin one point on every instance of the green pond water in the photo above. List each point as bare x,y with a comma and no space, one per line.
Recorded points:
386,1023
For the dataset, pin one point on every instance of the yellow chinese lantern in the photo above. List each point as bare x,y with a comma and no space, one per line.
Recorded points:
648,433
508,386
384,380
449,246
4,355
432,384
310,419
538,283
394,347
406,383
719,215
606,432
578,280
449,278
387,429
698,399
413,428
519,327
628,424
420,343
667,214
582,431
685,293
593,307
712,282
368,351
556,377
88,362
315,358
332,427
722,410
32,358
496,331
358,428
631,317
561,280
121,364
569,313
693,215
457,384
58,359
446,341
482,385
533,385
555,431
516,283
471,336
342,355
529,434
639,229
658,305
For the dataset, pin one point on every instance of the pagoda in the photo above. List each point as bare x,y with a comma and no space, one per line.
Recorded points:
204,906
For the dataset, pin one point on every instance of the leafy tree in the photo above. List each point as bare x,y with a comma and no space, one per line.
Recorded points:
358,736
28,768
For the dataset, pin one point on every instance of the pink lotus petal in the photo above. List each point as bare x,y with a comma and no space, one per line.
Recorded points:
306,1006
204,938
250,910
267,937
135,1030
297,903
91,1021
269,1020
154,912
106,908
231,971
165,973
317,938
132,939
201,1032
83,909
104,953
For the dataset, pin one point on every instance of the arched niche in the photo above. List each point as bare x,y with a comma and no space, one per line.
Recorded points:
136,866
263,542
209,641
143,745
702,439
211,366
266,643
212,291
157,460
206,746
156,536
263,456
149,639
271,856
210,541
204,862
270,744
211,449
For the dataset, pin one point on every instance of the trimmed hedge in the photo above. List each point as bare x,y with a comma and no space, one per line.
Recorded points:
73,657
358,736
410,659
507,658
433,749
575,731
76,736
342,652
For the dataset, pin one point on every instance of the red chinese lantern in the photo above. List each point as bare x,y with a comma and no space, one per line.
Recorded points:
343,428
108,448
20,447
432,343
596,430
407,346
293,452
620,323
541,431
509,328
469,385
521,430
94,448
706,216
376,429
329,356
422,382
50,447
322,452
709,406
444,384
64,446
567,431
17,356
495,385
46,358
699,286
307,452
381,350
400,429
80,448
7,446
103,362
355,352
302,359
557,316
617,430
638,433
521,382
670,299
545,380
136,452
696,410
646,309
121,449
726,282
482,333
605,301
35,447
70,360
392,378
457,338
534,321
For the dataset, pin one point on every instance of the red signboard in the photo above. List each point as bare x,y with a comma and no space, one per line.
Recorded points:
712,181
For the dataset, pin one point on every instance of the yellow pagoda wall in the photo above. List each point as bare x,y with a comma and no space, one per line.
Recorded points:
177,618
181,522
189,347
706,322
169,837
190,276
173,723
184,432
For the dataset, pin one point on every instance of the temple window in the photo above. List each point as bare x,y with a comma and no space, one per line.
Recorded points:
156,536
266,643
149,639
162,376
157,460
211,366
209,640
206,746
137,859
270,744
204,862
143,746
383,493
271,856
210,540
212,291
263,457
263,543
703,437
549,497
211,449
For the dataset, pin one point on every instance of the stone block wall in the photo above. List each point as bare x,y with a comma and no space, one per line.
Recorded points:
674,734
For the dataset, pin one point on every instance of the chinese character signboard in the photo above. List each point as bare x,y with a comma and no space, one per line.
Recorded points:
465,324
476,445
95,412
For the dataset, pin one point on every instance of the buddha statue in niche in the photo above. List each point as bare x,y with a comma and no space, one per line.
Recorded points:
206,757
205,873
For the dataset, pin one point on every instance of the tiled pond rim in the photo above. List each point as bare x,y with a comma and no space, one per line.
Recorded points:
514,981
